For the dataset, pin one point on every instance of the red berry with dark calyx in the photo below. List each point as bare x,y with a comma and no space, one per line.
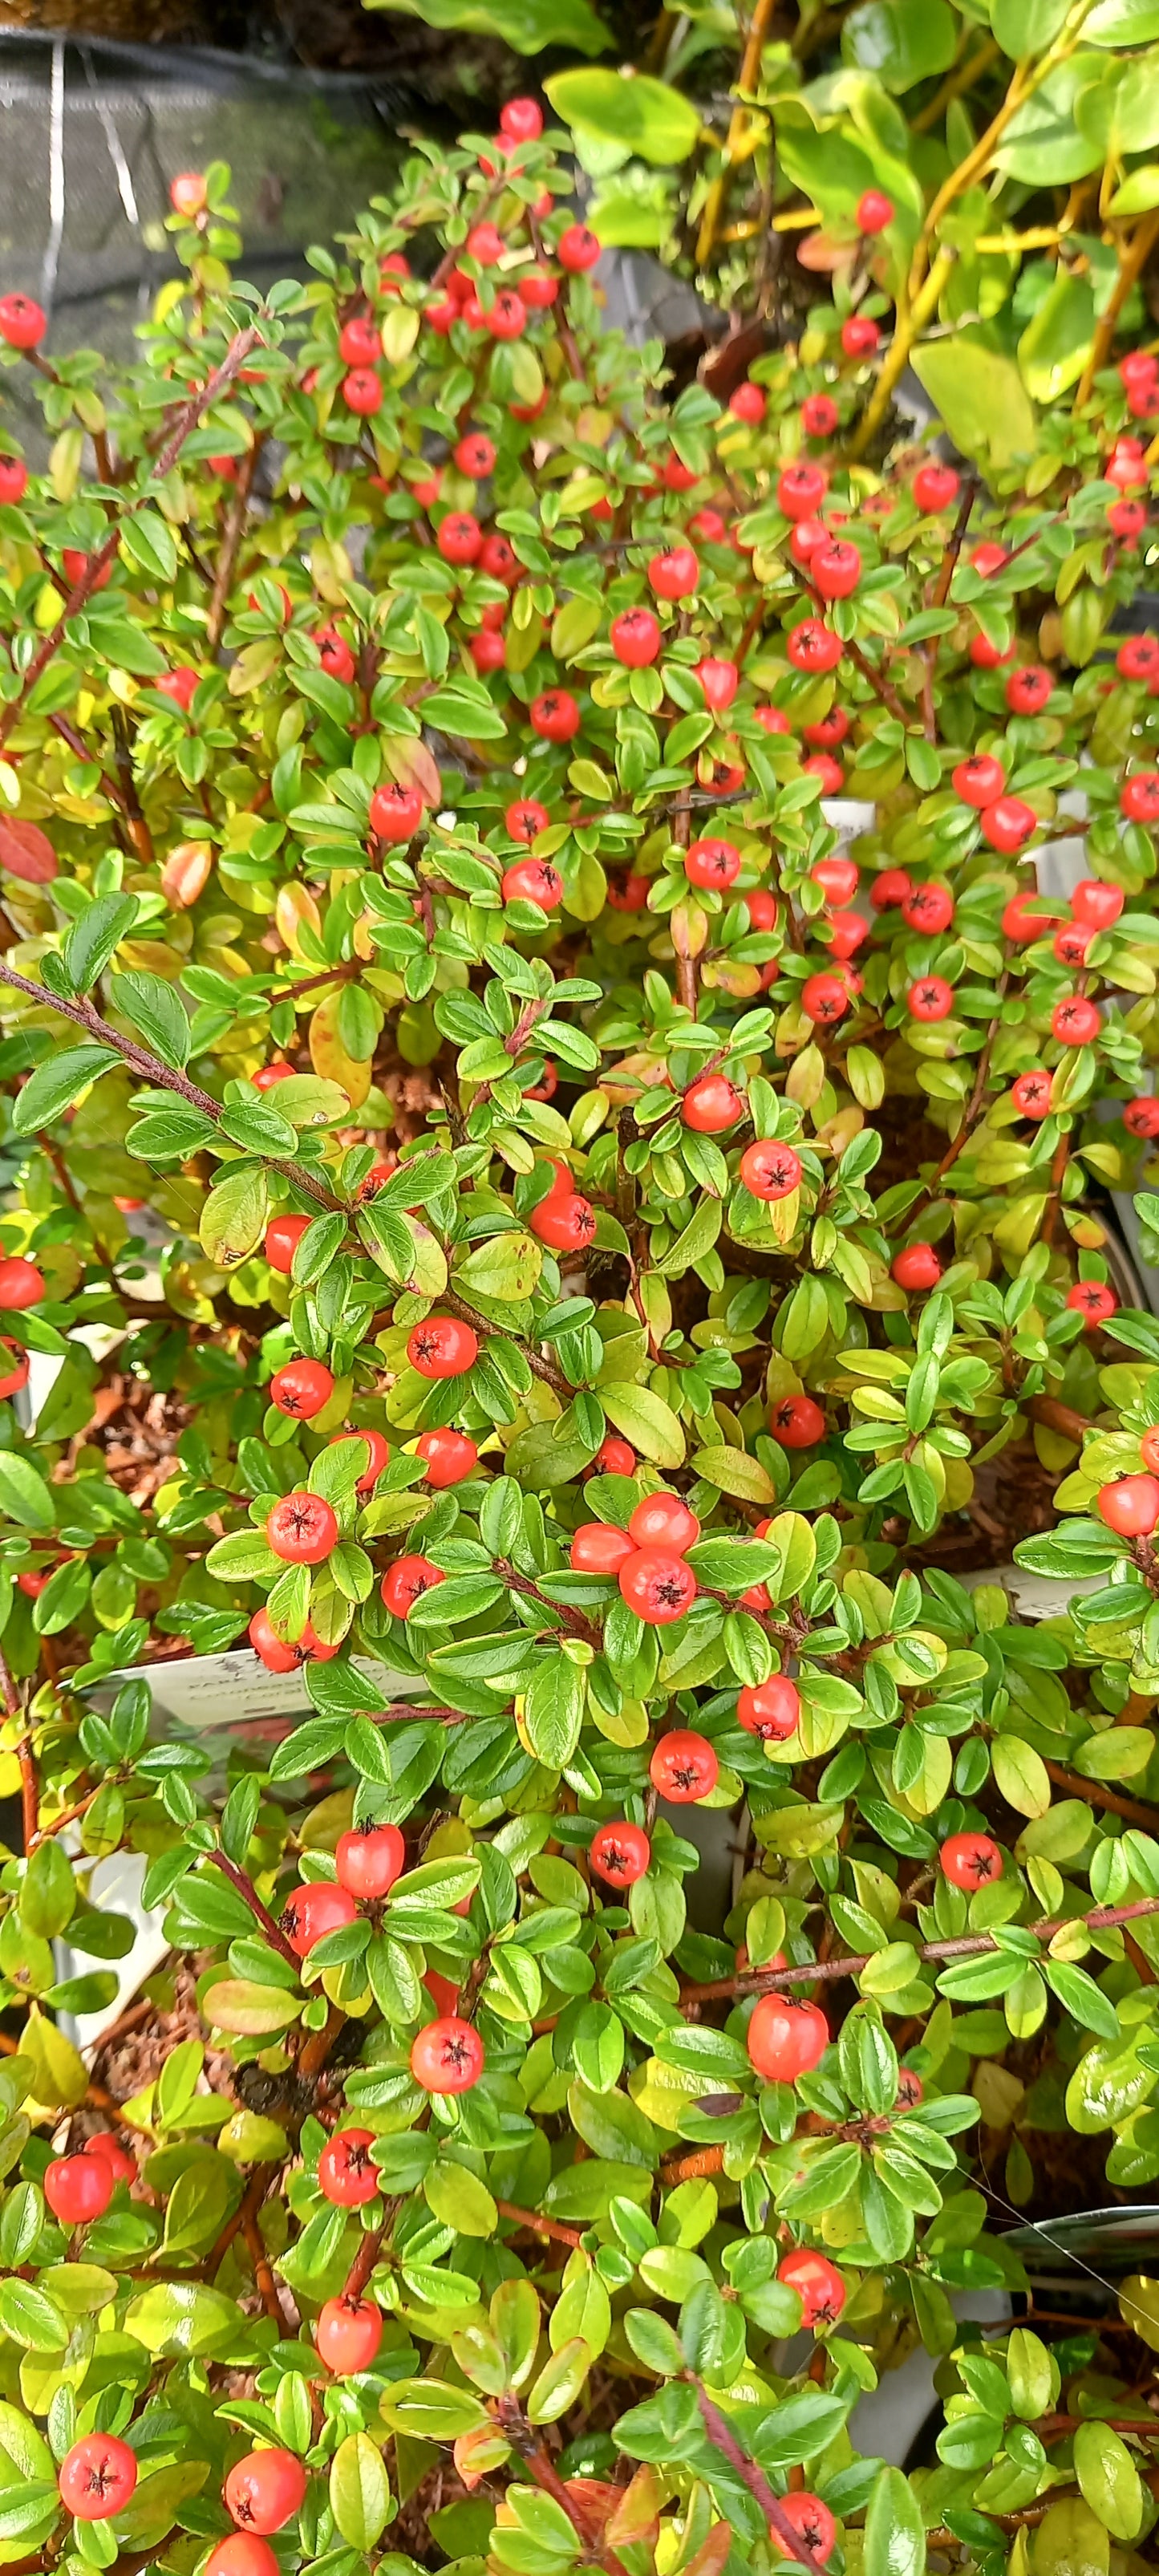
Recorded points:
1027,691
619,1854
359,341
265,2490
874,211
712,863
23,323
1075,1021
824,1000
797,1422
711,1105
769,1710
315,1908
813,647
1138,658
657,1584
180,686
347,2175
936,487
362,392
970,1861
835,569
448,1456
916,1267
459,538
684,1767
302,1388
1139,797
928,908
302,1529
932,998
785,2039
979,779
674,575
395,813
628,894
635,638
801,490
78,2189
447,2056
475,455
860,335
1130,1506
442,1346
347,2335
97,2477
1093,1300
598,1547
497,557
1008,825
21,1284
812,2522
828,734
578,249
533,881
1141,1116
554,716
910,2089
819,415
369,1859
891,888
407,1581
567,1223
818,2285
769,1169
1031,1094
1127,520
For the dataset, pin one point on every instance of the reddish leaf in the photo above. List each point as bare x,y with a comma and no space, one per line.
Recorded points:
26,851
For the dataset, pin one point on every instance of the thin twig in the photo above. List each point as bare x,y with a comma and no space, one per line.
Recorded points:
261,1914
754,1981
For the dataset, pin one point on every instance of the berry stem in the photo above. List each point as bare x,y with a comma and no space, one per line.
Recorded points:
261,1914
723,2440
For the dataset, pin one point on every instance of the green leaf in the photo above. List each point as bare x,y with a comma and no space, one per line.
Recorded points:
1082,1998
975,386
1053,349
94,937
153,1008
900,41
1042,145
1123,22
553,1710
645,116
506,1269
527,25
895,2540
1109,2479
147,540
233,1219
360,2499
1027,26
180,2317
646,1421
57,1084
24,1496
30,2319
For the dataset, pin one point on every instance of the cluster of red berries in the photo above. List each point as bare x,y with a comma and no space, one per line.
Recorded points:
647,1559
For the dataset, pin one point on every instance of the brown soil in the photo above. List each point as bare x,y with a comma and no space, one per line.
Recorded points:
138,2046
1013,1499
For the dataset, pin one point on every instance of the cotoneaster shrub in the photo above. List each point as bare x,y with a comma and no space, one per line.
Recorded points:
604,1229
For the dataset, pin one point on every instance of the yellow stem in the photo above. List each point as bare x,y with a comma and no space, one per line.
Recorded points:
1036,237
1132,256
747,78
796,219
908,329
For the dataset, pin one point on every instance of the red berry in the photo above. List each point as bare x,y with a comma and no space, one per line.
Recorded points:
838,879
808,536
797,1422
78,2188
1128,520
447,2056
283,1235
268,1075
663,1521
485,244
619,1854
1139,798
16,1376
828,734
13,479
1075,1021
475,455
315,1908
771,1170
988,558
1095,905
1138,658
359,341
635,638
188,193
979,780
936,487
1093,1300
916,1267
824,998
712,863
122,2166
599,1548
347,2177
892,887
835,569
802,489
488,651
683,1767
362,392
1141,1117
277,1655
674,575
657,1584
506,316
97,2476
442,1346
1131,1505
986,656
22,323
1031,1092
1126,471
708,525
1008,824
181,686
769,1710
630,894
813,647
554,716
449,1457
874,211
848,931
566,1222
347,2334
811,2520
302,1529
928,908
243,2554
369,1860
748,403
910,2089
819,415
860,335
409,1577
719,680
1027,691
302,1387
390,269
459,537
537,288
265,2490
930,999
21,1284
711,1105
970,1861
497,556
761,907
823,766
615,1457
818,2284
785,2040
578,249
533,881
378,1446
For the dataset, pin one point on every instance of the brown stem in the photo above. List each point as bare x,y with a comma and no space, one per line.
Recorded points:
1059,1417
363,2264
231,541
1096,1794
540,1367
755,1981
261,1914
1131,261
1057,1177
514,2425
267,2286
235,357
573,1620
721,2436
255,2192
543,2226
